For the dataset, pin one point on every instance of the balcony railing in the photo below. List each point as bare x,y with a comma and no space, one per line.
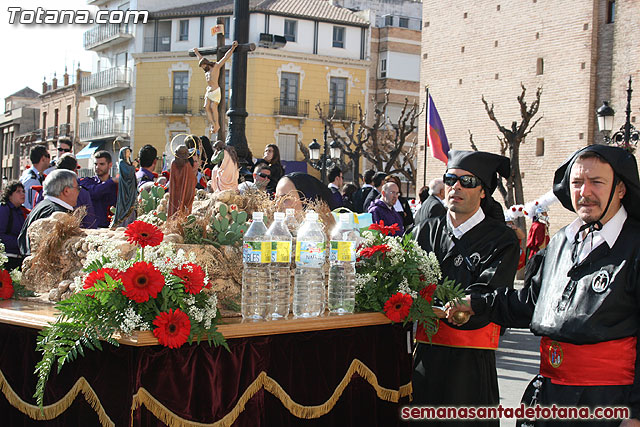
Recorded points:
106,81
344,112
65,129
171,105
291,107
104,127
52,133
103,34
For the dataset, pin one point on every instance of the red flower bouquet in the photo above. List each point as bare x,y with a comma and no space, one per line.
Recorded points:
6,285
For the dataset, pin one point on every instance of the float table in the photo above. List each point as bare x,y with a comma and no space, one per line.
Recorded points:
331,370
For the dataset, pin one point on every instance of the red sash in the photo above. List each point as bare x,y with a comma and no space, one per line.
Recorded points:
604,363
486,338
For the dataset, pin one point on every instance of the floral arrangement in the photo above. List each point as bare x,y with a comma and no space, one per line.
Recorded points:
161,290
10,281
396,276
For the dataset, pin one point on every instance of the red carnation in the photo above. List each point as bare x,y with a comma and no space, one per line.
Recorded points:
142,281
172,328
143,234
192,276
6,285
370,251
397,307
427,292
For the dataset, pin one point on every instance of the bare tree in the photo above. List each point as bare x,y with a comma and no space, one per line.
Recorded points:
389,146
511,140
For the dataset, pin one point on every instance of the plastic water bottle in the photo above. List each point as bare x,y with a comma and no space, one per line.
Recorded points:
280,267
256,257
342,273
308,291
292,224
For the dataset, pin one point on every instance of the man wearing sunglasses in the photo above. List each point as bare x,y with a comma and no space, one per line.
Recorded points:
261,177
480,253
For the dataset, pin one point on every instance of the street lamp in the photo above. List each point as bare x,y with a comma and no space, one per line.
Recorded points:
328,159
627,136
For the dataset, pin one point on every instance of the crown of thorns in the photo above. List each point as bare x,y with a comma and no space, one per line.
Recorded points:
204,61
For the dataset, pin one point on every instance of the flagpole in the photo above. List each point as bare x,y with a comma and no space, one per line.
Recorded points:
426,140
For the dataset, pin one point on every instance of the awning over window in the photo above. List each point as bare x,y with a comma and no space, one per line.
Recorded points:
88,151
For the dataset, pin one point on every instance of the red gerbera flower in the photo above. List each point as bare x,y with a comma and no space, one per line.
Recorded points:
427,292
397,307
192,276
94,276
6,285
142,281
143,234
172,328
370,251
386,230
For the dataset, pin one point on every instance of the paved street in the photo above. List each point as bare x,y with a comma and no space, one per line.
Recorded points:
518,360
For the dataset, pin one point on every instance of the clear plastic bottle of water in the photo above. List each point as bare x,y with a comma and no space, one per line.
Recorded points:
342,273
256,257
308,291
292,224
280,267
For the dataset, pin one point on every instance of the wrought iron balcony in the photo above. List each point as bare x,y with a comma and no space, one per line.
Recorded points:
291,107
52,133
171,105
104,128
102,36
65,129
343,112
107,81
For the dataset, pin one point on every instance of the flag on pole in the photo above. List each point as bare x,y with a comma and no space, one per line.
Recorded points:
436,137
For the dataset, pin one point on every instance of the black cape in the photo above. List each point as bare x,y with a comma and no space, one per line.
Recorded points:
432,207
586,316
458,376
44,209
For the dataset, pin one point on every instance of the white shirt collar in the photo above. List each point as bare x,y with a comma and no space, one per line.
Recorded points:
367,186
398,206
59,202
609,233
332,185
459,231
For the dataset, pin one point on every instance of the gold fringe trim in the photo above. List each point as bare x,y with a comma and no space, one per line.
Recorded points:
143,397
54,410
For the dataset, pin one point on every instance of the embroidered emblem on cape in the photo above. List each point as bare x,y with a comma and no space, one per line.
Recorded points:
457,261
600,281
555,354
475,258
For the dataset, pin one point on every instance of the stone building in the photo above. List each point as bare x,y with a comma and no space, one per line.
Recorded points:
580,52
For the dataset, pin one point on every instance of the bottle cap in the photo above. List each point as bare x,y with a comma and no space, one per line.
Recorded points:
257,216
291,212
278,216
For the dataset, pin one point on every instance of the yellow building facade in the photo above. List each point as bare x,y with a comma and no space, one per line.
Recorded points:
283,89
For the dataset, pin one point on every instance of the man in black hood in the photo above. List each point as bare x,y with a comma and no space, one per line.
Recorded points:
582,292
476,249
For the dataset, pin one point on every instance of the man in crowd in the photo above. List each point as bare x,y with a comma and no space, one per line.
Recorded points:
362,192
477,251
68,162
382,209
377,182
433,206
148,157
40,158
336,180
261,177
582,293
101,187
63,146
60,195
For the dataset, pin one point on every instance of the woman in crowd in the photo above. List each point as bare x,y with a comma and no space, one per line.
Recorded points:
272,157
402,205
348,192
12,216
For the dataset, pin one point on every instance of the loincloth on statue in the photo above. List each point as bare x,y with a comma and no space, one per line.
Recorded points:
213,95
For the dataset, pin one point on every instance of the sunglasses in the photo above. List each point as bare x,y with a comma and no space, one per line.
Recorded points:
264,175
466,181
66,150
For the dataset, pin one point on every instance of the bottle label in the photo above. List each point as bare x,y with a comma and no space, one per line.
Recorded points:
342,251
281,252
256,252
310,253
